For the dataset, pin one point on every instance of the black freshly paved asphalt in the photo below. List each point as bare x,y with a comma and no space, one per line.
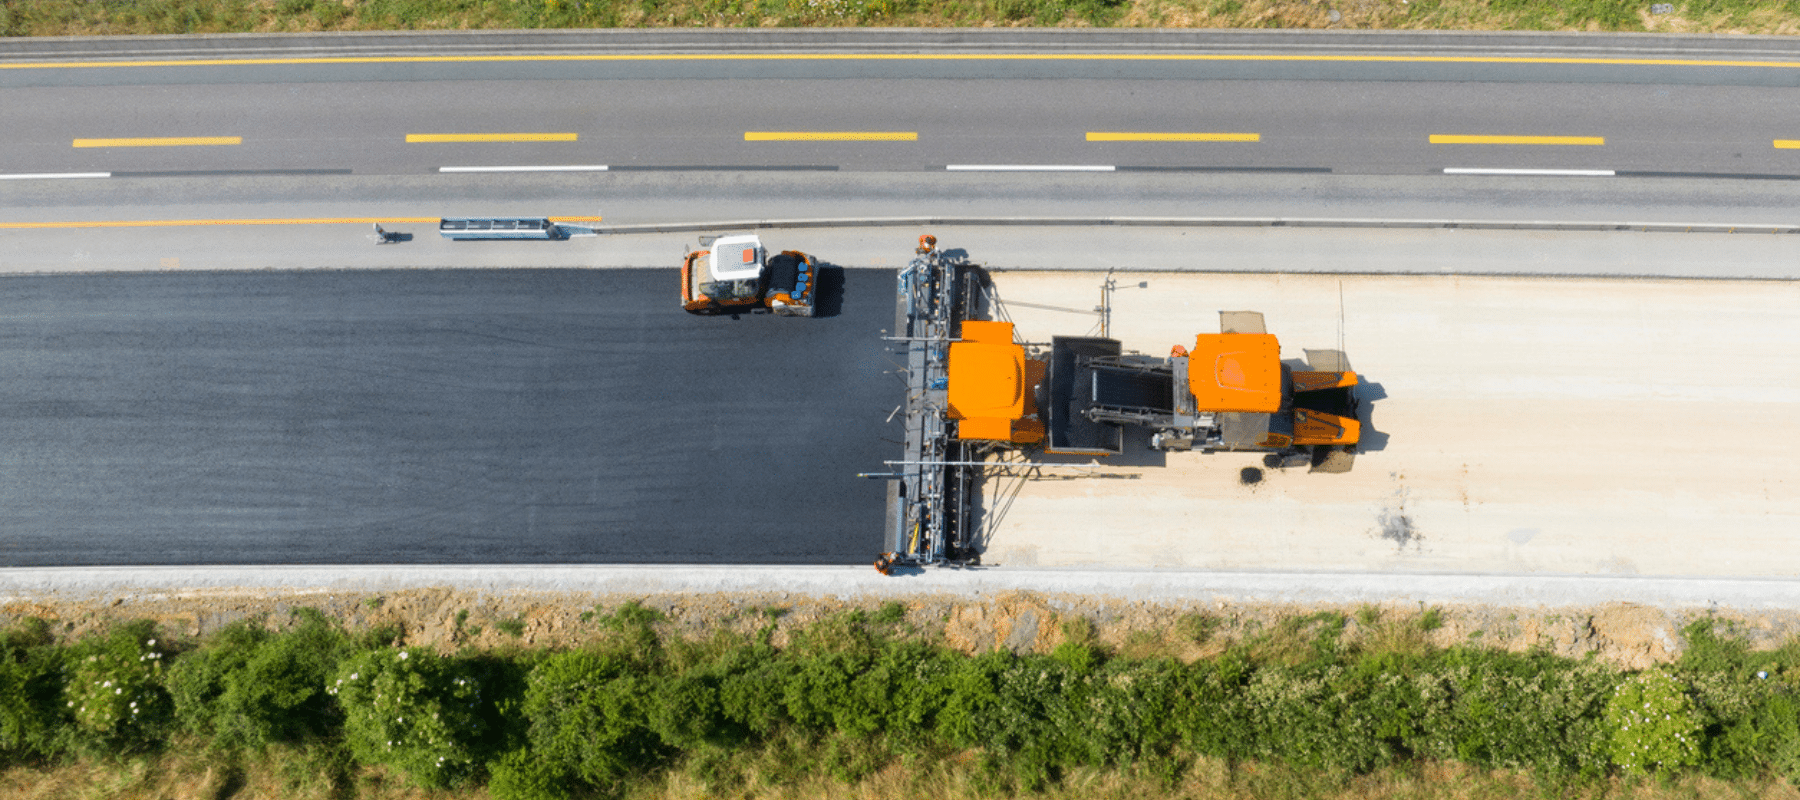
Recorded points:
435,417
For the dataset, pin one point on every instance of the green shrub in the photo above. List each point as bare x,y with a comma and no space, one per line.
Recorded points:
685,711
1744,700
33,717
114,690
1652,724
522,775
1008,706
1532,711
1207,713
589,718
411,709
821,693
1318,718
750,693
905,685
1772,733
250,687
1120,714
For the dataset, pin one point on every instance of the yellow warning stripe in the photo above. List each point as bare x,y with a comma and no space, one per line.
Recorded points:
1438,138
831,136
412,138
1094,136
240,62
164,141
175,223
1787,144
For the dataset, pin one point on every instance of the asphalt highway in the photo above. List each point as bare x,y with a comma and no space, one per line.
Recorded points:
1314,110
428,417
301,415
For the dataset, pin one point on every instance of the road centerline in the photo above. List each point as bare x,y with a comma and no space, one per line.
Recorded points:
831,136
26,176
531,168
161,141
433,138
1441,138
1030,167
1120,136
1580,173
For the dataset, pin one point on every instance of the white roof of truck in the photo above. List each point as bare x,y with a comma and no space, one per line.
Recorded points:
735,258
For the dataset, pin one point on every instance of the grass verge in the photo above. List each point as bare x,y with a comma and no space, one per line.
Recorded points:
872,702
120,17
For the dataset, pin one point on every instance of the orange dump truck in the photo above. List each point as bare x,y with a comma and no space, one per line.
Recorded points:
1230,391
736,274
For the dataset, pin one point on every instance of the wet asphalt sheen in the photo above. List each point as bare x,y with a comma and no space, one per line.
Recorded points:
435,417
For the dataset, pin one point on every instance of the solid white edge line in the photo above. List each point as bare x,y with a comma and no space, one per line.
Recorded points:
1029,168
576,168
1584,173
21,176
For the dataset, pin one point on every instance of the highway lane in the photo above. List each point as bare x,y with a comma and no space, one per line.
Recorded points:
1312,104
1339,127
487,416
87,226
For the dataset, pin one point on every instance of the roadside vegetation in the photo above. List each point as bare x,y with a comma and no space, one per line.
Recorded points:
872,703
119,17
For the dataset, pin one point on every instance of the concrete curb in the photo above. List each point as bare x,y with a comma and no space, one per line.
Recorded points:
1161,586
1196,222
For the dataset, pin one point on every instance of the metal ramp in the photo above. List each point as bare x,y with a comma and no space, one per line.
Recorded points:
467,228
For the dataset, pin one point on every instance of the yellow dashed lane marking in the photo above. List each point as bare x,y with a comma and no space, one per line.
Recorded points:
166,141
1094,136
240,62
1438,138
830,136
412,138
175,223
1787,144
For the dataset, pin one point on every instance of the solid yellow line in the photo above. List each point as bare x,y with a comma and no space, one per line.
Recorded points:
830,136
490,137
1787,144
1437,138
173,223
1173,137
239,62
169,141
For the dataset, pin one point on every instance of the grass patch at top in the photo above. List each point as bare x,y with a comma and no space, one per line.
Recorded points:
139,17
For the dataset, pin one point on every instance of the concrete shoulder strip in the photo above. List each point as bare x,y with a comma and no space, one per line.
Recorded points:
1199,222
1161,586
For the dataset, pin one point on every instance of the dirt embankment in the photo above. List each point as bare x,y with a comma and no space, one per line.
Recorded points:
1626,635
